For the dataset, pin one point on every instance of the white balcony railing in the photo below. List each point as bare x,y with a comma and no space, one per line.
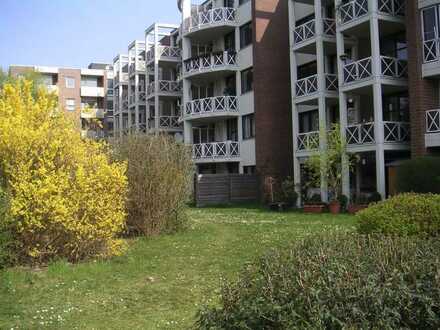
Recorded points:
210,62
306,86
212,105
212,17
164,52
308,141
353,10
433,121
309,85
357,70
395,131
431,50
165,122
139,66
391,7
165,86
307,30
393,67
360,133
216,150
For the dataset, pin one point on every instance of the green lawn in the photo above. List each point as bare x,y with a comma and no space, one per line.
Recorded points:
161,282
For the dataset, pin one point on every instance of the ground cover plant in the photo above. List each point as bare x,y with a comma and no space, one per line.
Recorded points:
347,281
161,281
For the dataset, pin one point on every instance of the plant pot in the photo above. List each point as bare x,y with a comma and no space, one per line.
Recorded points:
314,208
335,207
355,208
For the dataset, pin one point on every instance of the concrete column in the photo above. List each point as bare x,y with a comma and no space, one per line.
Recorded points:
121,89
156,81
136,97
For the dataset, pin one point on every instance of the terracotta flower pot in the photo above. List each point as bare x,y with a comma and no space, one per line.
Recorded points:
335,207
314,208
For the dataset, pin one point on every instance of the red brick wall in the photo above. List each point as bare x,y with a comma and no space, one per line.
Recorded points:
273,123
423,93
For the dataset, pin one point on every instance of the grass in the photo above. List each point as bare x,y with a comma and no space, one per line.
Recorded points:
161,282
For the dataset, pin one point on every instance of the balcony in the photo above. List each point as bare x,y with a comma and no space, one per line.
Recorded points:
308,141
212,106
165,123
307,31
92,91
356,9
166,88
223,151
139,66
432,136
222,61
392,67
216,17
361,134
309,85
121,78
164,53
141,98
124,102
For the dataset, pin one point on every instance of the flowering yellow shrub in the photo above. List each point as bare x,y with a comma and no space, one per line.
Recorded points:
66,198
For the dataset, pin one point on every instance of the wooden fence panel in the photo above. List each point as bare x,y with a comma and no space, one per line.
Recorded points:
211,189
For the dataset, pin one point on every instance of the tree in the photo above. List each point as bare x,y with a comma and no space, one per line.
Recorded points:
65,197
327,164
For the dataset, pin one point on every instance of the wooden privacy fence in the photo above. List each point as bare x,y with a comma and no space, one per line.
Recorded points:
211,189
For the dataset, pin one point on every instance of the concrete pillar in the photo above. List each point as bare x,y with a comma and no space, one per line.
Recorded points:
156,81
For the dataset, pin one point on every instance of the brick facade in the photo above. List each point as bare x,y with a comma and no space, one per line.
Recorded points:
273,118
423,93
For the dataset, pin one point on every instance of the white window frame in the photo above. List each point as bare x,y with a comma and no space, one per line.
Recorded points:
70,107
436,31
68,79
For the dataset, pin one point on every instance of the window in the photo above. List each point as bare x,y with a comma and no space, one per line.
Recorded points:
232,130
307,70
247,80
230,42
245,35
242,2
70,82
89,82
396,107
430,25
308,121
70,105
249,169
248,127
228,3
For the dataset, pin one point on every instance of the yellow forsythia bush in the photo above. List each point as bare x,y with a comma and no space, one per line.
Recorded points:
66,197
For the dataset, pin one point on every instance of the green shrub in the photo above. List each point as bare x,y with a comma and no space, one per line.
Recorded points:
160,173
344,202
405,214
345,281
290,195
374,197
419,175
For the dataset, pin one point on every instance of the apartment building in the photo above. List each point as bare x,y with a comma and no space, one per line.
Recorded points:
349,66
236,86
84,94
423,17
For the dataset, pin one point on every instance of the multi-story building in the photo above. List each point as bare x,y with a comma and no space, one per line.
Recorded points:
349,66
423,18
120,92
163,85
82,93
235,81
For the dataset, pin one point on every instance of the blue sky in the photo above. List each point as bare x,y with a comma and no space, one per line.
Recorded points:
74,33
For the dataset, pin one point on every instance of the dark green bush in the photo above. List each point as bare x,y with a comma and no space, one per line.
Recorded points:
419,175
345,281
290,196
374,197
405,214
7,242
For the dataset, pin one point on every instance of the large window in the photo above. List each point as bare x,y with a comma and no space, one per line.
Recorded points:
89,82
204,134
394,46
242,2
248,122
70,105
430,25
70,82
308,121
232,130
396,107
230,42
247,80
246,35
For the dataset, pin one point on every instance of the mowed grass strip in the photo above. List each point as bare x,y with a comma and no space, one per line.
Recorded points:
160,282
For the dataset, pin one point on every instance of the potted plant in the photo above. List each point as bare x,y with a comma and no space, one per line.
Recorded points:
328,164
290,196
361,202
314,204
